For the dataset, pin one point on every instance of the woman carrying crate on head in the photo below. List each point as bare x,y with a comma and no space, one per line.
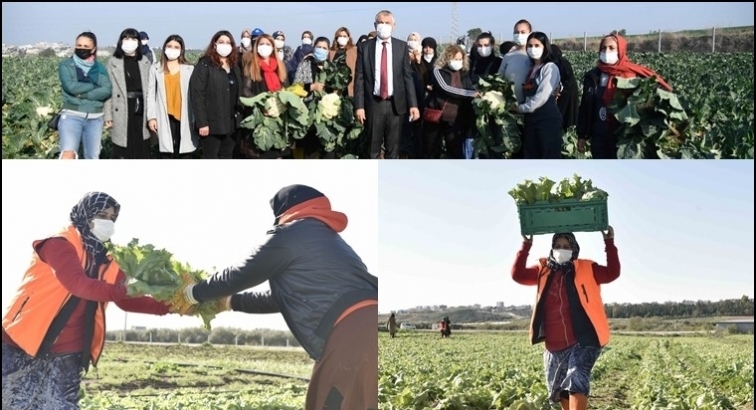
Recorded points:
569,314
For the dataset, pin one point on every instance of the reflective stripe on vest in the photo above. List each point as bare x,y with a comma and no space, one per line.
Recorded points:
41,296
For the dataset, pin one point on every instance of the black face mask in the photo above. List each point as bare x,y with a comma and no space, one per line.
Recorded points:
83,53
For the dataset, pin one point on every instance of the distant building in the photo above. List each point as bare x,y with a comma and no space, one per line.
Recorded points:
138,327
742,325
500,305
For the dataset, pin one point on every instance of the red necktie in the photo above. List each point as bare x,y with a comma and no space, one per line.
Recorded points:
384,73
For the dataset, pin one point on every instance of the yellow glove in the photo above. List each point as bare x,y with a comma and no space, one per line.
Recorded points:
183,301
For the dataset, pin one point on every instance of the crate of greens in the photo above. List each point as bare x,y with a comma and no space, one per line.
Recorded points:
155,272
572,205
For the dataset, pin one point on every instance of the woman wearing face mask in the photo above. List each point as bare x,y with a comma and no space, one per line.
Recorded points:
167,100
86,86
343,45
245,46
299,54
542,133
453,92
129,73
412,141
594,122
263,72
307,71
569,314
54,328
214,90
430,50
486,63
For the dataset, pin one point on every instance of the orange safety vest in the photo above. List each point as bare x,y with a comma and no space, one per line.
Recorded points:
41,297
590,298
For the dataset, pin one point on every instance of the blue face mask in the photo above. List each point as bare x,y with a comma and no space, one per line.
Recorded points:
320,54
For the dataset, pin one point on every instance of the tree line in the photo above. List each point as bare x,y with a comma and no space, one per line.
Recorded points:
219,336
684,309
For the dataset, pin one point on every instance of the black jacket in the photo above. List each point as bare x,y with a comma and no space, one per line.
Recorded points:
585,112
314,276
481,67
211,98
443,92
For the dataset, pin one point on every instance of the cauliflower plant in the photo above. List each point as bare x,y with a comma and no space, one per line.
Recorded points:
44,111
330,106
495,99
274,107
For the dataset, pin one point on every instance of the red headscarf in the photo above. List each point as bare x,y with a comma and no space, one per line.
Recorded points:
270,74
625,69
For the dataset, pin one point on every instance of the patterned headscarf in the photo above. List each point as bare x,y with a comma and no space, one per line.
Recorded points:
553,265
83,213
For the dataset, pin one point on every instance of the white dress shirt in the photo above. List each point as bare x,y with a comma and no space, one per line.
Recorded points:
378,55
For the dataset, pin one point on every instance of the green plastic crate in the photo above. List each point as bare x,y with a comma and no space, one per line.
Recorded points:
564,216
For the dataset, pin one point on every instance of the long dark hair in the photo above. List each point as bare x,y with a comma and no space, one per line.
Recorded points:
132,34
548,54
213,55
182,59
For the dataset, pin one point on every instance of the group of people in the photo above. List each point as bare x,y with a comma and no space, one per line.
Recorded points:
395,85
393,328
54,327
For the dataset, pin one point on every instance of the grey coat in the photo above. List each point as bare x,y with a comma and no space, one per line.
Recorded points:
314,276
116,108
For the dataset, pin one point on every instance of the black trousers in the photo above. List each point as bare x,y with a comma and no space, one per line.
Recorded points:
176,135
451,134
542,137
384,128
219,146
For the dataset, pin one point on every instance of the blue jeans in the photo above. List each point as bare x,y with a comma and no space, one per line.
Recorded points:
73,129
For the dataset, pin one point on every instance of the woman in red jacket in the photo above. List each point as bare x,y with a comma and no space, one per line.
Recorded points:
54,327
569,314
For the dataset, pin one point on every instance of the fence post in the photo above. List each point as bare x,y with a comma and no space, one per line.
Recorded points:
551,39
287,342
585,41
713,39
150,337
660,38
179,338
236,340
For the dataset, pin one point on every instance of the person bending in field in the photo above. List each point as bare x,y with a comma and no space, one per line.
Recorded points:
445,327
54,327
323,290
569,314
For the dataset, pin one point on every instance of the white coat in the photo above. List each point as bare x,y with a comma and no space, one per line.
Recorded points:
156,104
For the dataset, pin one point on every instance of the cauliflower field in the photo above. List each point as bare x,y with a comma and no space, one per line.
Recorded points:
716,89
487,371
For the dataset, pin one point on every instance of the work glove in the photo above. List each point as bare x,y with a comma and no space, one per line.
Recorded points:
183,301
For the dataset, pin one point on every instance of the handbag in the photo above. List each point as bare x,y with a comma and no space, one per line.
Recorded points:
432,115
53,123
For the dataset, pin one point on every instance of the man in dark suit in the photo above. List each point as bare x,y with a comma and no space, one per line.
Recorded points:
384,90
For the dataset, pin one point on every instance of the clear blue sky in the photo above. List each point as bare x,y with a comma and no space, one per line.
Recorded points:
449,232
25,23
209,214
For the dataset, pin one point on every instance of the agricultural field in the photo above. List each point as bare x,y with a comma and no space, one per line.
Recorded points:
171,376
716,90
419,370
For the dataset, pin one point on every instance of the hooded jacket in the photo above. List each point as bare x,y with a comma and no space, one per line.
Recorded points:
315,277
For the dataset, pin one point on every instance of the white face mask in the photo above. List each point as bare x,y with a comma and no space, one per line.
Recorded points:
172,53
610,57
264,50
129,46
521,39
484,51
535,53
428,57
384,31
456,65
224,50
562,255
279,44
342,41
246,41
412,45
145,42
103,229
307,41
